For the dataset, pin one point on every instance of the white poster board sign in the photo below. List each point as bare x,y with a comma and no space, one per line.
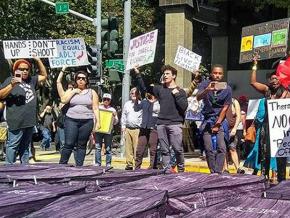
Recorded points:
252,110
187,59
70,52
142,50
14,49
279,127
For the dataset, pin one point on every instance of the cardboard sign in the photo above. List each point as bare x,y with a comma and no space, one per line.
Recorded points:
268,40
29,49
70,52
279,127
142,50
106,121
187,59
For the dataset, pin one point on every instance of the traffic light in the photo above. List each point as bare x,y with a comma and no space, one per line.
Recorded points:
214,15
93,67
110,36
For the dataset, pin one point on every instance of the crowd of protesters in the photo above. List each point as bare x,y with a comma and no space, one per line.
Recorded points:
153,116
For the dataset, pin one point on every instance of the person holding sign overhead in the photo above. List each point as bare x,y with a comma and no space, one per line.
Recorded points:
81,115
19,93
272,90
106,137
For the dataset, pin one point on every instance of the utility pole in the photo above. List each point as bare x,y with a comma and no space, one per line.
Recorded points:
99,35
126,43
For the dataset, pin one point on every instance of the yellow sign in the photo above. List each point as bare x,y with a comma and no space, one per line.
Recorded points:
106,121
247,43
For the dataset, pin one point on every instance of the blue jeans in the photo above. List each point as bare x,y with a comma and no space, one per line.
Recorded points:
60,136
108,145
46,140
18,144
76,134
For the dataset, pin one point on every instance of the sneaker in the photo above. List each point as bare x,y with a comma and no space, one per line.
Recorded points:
128,168
240,171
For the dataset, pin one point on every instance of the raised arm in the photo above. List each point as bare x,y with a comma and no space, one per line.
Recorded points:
140,82
59,86
42,76
260,87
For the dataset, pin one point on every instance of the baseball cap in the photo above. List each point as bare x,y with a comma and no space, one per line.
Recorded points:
107,95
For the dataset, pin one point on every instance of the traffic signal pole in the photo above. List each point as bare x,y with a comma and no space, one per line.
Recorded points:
99,35
126,43
71,11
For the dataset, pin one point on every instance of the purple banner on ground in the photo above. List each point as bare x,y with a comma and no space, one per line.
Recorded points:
245,207
20,201
194,190
111,203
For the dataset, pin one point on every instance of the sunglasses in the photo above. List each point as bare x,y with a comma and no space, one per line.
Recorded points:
81,78
23,69
106,99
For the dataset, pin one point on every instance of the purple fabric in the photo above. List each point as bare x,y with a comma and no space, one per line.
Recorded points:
280,191
111,203
194,190
20,201
245,207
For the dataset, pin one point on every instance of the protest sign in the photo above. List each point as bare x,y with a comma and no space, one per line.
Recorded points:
268,40
279,127
29,49
106,121
71,52
187,59
142,50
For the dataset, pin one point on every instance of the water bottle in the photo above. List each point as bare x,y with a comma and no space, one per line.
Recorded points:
214,142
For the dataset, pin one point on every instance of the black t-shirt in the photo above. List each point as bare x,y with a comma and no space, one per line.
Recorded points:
21,104
172,107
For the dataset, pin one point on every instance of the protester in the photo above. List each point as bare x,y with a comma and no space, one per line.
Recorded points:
173,104
106,137
19,93
130,123
215,127
233,117
47,127
242,128
148,133
258,158
272,90
83,111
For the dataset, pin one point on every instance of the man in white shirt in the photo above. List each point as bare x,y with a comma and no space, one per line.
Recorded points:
130,123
